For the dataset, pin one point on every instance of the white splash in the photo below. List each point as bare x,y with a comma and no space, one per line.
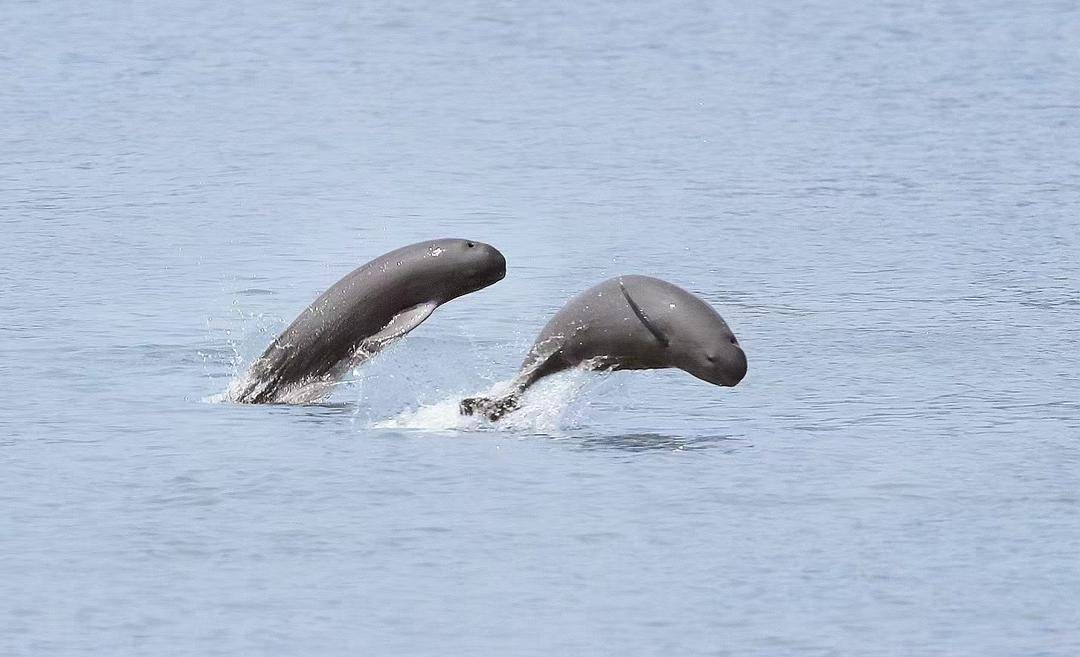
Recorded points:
217,398
547,408
440,416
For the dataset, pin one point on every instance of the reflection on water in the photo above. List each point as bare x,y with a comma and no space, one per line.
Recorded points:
646,442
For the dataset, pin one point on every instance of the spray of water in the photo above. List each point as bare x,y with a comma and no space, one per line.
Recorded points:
243,332
550,407
416,384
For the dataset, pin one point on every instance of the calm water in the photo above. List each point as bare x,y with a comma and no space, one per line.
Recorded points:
881,199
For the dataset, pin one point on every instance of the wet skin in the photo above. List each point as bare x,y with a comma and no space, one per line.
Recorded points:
627,323
363,312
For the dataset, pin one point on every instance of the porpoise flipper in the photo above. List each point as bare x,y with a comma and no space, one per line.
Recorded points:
401,324
397,327
319,388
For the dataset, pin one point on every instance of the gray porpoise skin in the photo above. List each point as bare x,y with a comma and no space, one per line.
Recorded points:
627,323
363,312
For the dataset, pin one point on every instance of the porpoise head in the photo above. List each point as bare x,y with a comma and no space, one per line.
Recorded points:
693,336
721,361
708,349
469,265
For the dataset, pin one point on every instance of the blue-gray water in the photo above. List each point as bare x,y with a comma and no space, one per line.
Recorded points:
881,198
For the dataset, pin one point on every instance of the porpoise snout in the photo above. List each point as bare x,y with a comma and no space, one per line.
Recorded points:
725,367
490,265
497,260
736,371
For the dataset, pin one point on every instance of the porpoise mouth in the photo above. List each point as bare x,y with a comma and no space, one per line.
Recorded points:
497,273
486,277
728,372
737,375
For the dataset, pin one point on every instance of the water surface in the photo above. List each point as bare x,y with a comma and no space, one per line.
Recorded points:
881,199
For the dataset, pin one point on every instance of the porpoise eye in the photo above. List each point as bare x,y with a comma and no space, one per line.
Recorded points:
469,244
733,340
710,358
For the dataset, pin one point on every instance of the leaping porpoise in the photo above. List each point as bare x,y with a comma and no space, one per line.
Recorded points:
627,323
362,313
